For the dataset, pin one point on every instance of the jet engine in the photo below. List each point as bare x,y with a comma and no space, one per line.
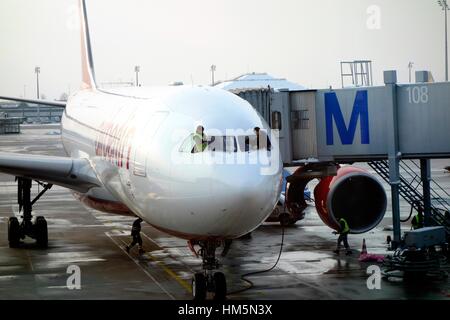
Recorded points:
352,194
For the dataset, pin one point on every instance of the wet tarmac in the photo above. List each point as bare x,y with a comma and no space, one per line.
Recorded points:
94,242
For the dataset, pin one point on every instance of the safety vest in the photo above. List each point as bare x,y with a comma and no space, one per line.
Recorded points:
346,227
203,145
416,222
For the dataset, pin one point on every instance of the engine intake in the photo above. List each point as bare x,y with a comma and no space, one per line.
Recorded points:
353,194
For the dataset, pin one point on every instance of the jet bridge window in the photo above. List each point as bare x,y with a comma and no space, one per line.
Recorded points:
213,144
300,119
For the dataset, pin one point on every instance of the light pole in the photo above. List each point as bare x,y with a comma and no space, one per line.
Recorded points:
37,70
137,69
213,69
444,6
410,66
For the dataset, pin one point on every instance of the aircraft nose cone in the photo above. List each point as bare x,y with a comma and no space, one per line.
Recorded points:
219,201
244,199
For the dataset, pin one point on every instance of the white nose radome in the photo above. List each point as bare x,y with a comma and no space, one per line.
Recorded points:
237,202
244,199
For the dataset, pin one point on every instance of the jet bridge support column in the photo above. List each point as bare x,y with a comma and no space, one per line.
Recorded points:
425,174
394,155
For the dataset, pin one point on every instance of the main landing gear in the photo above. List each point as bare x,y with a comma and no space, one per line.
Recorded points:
34,228
209,280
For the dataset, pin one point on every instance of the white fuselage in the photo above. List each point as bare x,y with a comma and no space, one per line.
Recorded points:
133,139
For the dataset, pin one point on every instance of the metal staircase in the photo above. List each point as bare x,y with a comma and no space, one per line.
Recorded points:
411,187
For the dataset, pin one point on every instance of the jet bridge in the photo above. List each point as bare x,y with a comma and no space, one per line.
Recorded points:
406,121
393,122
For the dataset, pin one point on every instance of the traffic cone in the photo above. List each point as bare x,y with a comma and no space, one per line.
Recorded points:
364,248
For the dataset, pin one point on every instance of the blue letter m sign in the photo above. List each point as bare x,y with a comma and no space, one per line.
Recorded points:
347,134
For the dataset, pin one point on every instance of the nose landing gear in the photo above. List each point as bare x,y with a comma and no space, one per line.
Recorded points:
33,228
209,280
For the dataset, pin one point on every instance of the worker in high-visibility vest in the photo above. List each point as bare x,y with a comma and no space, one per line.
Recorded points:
200,143
418,220
343,232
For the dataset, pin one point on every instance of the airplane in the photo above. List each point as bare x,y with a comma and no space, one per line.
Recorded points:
124,156
195,162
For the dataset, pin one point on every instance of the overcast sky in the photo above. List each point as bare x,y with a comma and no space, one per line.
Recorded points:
178,40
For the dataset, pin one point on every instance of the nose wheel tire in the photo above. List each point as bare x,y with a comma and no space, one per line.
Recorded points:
41,232
13,232
208,280
220,287
202,284
199,287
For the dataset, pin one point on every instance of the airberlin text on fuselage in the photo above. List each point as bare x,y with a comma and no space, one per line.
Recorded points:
114,143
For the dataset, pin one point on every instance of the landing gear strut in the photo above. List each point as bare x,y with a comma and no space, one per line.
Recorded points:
33,228
209,280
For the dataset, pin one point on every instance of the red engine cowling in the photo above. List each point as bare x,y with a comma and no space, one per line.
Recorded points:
353,194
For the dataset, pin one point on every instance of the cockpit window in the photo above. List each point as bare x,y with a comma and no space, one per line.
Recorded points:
222,144
213,144
188,144
253,143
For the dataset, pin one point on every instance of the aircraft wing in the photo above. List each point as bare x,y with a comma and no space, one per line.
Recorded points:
36,101
75,174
